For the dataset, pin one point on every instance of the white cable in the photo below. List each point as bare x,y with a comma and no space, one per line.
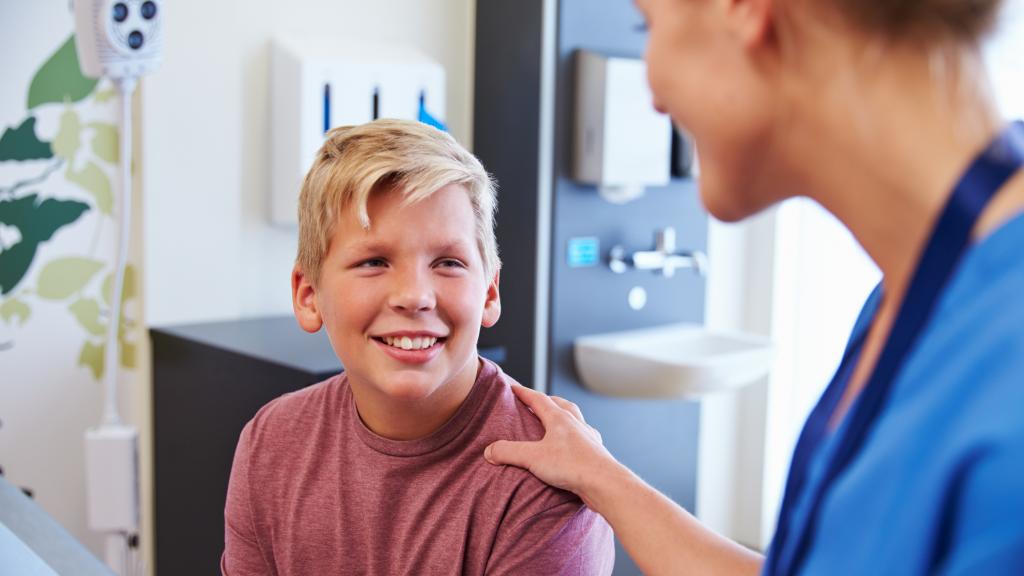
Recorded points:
112,361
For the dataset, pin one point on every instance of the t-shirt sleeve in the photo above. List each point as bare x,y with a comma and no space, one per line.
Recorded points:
988,533
566,538
242,554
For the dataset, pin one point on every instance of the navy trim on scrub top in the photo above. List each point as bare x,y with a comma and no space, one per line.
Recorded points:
950,237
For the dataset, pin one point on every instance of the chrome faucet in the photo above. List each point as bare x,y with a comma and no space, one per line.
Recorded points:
663,258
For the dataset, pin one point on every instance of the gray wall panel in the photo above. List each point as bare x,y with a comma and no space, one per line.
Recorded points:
657,439
505,136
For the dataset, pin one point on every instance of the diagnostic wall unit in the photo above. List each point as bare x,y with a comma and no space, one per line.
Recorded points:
317,83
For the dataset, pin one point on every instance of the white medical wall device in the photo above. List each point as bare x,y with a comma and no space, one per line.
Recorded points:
318,83
118,38
110,472
621,143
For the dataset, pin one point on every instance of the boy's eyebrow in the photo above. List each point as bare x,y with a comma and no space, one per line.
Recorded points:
366,246
451,245
379,246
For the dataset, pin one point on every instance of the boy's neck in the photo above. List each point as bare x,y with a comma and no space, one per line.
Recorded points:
404,420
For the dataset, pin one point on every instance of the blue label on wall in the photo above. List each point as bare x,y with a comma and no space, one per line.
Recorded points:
583,252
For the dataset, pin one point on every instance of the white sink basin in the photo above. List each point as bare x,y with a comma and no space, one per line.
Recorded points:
677,360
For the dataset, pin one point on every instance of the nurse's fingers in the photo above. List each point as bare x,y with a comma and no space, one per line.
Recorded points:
520,454
541,404
569,407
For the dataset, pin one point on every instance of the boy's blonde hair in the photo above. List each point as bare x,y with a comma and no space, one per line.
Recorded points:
357,161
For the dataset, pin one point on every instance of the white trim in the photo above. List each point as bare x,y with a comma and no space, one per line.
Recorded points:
545,183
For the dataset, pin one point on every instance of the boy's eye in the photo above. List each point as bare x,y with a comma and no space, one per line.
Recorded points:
450,263
372,263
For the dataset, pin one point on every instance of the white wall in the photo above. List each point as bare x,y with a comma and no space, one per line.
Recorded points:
210,251
740,292
1003,55
47,397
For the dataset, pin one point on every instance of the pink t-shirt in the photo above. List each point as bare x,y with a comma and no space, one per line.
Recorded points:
315,492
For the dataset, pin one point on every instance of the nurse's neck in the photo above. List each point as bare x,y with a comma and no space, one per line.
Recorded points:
887,137
893,141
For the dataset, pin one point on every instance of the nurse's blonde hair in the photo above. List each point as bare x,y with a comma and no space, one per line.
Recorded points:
929,21
415,159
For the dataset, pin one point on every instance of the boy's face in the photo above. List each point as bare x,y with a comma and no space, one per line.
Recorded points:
403,302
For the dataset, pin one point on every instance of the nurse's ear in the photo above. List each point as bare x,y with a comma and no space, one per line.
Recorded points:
304,303
752,21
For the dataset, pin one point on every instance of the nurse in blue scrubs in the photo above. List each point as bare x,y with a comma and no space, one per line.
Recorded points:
912,462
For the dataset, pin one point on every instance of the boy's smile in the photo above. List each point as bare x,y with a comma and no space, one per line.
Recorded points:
403,303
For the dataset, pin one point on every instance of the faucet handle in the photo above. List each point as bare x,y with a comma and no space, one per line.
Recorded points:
617,260
665,240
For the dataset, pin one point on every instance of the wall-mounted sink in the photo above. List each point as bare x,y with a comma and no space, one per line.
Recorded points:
676,360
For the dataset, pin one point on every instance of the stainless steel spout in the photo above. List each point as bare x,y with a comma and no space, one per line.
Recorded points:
663,258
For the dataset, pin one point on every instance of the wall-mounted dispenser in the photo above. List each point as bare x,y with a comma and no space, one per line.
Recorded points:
621,143
317,83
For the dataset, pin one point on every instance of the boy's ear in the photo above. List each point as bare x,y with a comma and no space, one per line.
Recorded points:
304,301
492,305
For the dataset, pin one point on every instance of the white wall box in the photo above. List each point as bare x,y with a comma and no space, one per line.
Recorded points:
318,83
621,143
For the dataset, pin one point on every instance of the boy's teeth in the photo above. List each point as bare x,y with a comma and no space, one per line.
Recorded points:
406,343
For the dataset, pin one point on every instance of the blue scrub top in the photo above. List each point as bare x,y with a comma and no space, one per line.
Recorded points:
938,486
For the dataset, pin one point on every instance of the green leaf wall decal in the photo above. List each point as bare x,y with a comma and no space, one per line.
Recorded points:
87,312
37,222
14,263
14,308
105,141
128,291
95,181
68,139
103,96
129,355
21,143
92,357
60,79
63,277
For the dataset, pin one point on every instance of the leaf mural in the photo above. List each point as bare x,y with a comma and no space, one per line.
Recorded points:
129,351
128,291
21,143
129,355
105,141
14,308
69,136
92,357
63,277
105,95
60,79
37,222
94,180
87,312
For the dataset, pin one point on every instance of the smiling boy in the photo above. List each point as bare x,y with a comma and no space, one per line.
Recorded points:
379,470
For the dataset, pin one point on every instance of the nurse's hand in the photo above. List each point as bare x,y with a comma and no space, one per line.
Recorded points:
569,455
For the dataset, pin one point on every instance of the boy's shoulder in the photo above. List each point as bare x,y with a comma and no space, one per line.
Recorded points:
291,414
505,414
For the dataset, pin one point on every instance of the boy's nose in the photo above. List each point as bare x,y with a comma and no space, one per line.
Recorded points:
412,293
